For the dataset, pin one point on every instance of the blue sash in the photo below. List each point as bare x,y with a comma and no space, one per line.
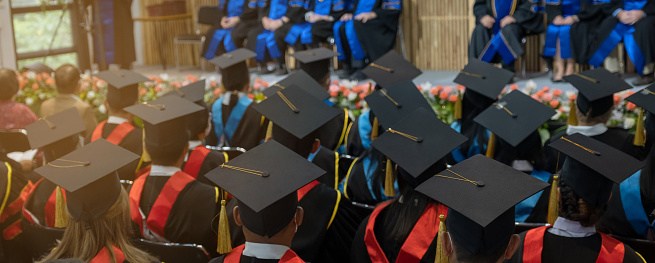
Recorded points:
311,156
227,131
523,209
369,173
498,44
266,40
634,4
323,7
363,6
220,36
365,129
107,18
235,8
621,32
632,206
473,150
563,33
302,31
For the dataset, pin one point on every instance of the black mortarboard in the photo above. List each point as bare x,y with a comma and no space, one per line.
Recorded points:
392,104
596,89
264,180
417,142
123,86
165,120
14,141
304,81
194,92
234,70
480,194
514,117
39,68
644,98
316,62
54,128
592,167
484,78
391,69
296,111
89,177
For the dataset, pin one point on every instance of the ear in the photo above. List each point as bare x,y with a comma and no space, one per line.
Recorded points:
300,215
513,245
237,216
447,245
316,145
559,195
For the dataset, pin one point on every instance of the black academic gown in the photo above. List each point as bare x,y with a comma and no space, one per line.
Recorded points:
132,142
322,30
213,160
378,36
123,33
333,133
585,32
326,160
38,203
355,184
249,133
296,14
11,187
247,20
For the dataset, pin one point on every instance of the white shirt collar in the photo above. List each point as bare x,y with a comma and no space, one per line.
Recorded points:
116,120
192,145
588,131
226,97
264,251
569,228
160,170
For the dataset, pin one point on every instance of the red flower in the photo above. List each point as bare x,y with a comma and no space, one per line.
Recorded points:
461,87
630,106
513,87
443,95
334,94
346,93
557,93
617,99
35,86
265,84
573,97
452,98
536,97
419,88
142,92
50,81
434,91
358,105
358,89
540,93
251,96
342,88
362,95
546,89
554,103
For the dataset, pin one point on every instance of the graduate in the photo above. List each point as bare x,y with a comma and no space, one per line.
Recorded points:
513,121
365,33
633,22
483,83
626,213
584,188
199,160
500,25
117,32
97,205
479,228
592,109
56,136
167,204
585,29
266,206
15,186
235,123
561,16
237,18
276,18
119,128
405,229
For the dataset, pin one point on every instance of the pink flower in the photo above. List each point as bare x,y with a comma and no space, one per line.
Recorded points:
158,89
536,97
191,78
434,91
142,92
617,99
38,78
461,87
346,93
540,93
447,89
334,88
513,87
561,109
547,97
213,84
50,81
630,106
257,86
443,95
45,75
335,82
357,89
265,84
217,93
176,84
452,98
546,89
557,93
362,95
251,96
153,78
554,103
35,86
503,90
334,94
342,88
573,97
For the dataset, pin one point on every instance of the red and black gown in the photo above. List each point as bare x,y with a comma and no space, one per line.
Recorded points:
125,135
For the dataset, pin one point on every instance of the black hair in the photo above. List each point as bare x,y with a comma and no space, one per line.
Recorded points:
198,122
572,207
529,149
473,104
8,84
465,256
302,147
167,155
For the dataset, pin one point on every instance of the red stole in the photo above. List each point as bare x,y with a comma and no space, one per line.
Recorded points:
196,158
116,136
235,256
418,241
305,189
161,209
49,208
611,250
103,256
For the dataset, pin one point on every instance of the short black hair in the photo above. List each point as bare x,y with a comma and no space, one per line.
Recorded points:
302,147
198,122
465,256
166,155
8,84
67,77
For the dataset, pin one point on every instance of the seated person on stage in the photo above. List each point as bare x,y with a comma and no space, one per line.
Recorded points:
404,229
235,123
593,108
169,205
561,16
56,136
98,207
199,160
500,25
633,22
479,228
514,121
119,129
584,30
483,83
365,34
67,78
237,18
626,211
13,115
590,170
267,38
318,22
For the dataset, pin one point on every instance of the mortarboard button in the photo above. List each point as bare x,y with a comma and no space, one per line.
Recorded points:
59,126
484,78
390,69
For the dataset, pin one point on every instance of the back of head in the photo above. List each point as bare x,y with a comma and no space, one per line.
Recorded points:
594,112
530,149
67,78
8,84
494,239
302,147
198,123
572,207
236,77
166,152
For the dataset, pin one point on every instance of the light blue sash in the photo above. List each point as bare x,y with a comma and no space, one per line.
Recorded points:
523,209
227,131
365,129
621,32
473,150
632,206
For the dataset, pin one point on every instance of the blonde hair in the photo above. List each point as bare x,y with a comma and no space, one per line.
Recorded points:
85,239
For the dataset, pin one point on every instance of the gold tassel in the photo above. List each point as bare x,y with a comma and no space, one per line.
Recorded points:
553,203
145,156
639,134
269,131
224,240
491,146
61,219
441,256
458,107
389,188
374,132
573,117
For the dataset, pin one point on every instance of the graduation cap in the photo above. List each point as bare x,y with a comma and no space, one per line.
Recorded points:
645,99
264,181
165,120
301,79
316,62
52,129
392,104
38,68
194,92
592,167
123,88
296,111
514,117
596,89
234,70
89,177
14,141
483,221
483,78
390,69
417,142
